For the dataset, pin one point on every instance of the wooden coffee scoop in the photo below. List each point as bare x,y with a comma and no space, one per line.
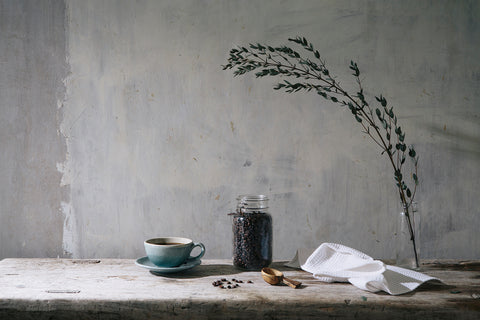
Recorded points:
274,276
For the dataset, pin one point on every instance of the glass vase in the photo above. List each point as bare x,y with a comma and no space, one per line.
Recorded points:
407,237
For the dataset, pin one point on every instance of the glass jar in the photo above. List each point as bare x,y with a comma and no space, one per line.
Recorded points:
408,237
252,233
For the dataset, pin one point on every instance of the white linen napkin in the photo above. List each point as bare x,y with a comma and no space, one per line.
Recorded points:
333,262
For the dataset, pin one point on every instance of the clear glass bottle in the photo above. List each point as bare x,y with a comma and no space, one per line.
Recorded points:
252,233
408,238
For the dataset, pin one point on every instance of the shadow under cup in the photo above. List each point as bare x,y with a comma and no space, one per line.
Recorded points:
171,252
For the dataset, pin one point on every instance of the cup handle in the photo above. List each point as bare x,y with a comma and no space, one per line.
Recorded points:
201,246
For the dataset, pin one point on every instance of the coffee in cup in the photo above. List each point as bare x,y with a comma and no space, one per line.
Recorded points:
171,252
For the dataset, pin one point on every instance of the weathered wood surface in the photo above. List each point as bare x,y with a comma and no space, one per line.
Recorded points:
118,289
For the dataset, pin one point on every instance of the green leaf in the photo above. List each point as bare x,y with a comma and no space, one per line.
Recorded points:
378,112
409,193
360,95
390,113
398,175
358,118
354,67
262,73
382,100
296,40
273,72
323,94
398,179
412,152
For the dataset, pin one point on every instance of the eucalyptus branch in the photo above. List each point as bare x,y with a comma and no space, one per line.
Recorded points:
314,76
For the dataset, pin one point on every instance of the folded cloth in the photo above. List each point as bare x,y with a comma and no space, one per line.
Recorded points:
332,262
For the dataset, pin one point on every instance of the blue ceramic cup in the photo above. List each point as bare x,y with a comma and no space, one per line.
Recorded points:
169,252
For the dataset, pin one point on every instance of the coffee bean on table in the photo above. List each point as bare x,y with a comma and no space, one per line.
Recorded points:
225,284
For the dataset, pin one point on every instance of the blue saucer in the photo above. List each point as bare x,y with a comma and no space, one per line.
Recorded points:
144,262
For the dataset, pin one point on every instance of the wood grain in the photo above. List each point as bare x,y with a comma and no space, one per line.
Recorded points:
118,289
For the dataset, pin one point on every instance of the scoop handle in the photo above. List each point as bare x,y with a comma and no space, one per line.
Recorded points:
292,283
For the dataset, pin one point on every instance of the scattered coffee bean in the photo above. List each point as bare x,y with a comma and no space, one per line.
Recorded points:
222,283
217,283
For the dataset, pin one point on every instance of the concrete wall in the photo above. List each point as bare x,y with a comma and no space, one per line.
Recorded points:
147,136
32,68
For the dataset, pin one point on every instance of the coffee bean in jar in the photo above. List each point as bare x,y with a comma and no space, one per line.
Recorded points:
252,233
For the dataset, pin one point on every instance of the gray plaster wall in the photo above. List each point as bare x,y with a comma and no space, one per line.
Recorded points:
32,70
118,124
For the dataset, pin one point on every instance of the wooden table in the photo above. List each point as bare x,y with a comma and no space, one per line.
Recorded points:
118,289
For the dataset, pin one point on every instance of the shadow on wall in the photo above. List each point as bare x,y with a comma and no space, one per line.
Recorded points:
457,140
